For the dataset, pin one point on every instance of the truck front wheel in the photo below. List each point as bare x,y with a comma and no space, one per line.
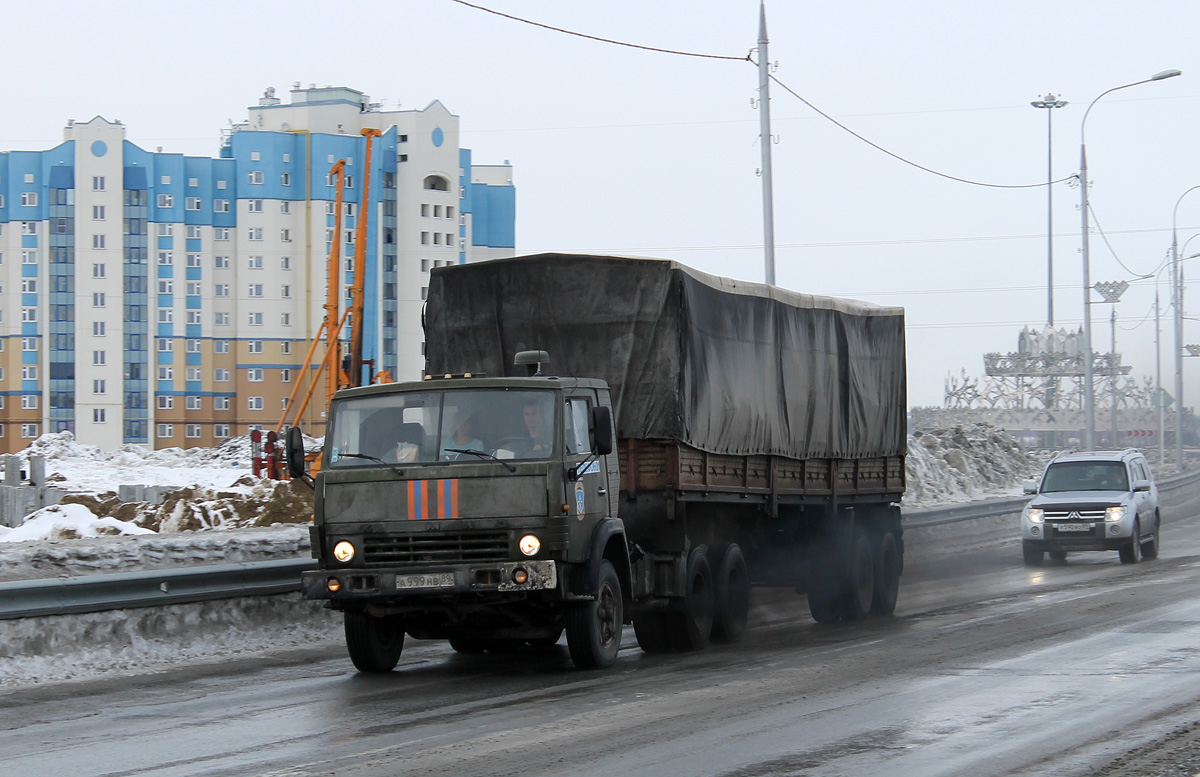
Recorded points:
594,628
374,643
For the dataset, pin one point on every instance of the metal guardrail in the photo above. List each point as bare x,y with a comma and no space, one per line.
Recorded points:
153,588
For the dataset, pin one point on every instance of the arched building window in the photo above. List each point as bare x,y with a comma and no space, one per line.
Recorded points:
437,183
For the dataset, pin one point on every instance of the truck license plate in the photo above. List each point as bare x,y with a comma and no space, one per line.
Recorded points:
443,580
1064,527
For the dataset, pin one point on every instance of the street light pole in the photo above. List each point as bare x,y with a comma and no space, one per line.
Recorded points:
764,107
1049,101
1089,400
1177,298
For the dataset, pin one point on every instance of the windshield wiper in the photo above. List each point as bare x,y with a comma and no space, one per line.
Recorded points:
387,464
482,455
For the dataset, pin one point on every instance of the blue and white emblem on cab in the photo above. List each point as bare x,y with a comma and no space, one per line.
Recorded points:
590,469
579,500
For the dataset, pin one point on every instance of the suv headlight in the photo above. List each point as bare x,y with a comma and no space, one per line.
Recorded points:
1035,514
1114,513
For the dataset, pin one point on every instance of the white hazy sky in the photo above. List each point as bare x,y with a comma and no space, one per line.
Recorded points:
619,150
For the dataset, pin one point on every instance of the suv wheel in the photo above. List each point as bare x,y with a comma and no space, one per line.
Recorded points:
1132,553
1150,549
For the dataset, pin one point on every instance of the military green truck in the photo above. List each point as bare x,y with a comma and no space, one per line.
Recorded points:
603,441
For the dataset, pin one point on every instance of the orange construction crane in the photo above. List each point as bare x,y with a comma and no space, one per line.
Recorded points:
331,325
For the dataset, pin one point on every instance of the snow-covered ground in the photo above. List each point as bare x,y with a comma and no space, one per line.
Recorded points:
218,512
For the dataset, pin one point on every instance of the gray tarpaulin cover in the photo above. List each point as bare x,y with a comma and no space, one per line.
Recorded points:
725,366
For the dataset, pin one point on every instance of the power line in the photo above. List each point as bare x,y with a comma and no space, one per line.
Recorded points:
599,39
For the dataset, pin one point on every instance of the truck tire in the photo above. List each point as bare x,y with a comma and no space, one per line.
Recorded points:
691,616
374,643
1033,555
594,628
732,601
887,575
860,577
652,631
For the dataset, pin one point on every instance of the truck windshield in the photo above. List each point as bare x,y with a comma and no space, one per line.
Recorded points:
426,427
1086,476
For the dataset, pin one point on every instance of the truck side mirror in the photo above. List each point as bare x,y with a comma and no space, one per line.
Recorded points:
294,449
602,430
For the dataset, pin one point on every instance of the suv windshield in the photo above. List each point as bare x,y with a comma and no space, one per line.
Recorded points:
424,427
1086,476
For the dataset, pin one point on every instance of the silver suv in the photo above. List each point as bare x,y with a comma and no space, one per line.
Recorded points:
1098,500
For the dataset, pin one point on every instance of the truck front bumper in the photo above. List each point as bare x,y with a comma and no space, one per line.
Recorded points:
363,584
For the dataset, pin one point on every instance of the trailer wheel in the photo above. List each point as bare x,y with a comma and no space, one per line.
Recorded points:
374,643
691,617
887,575
732,596
594,628
652,631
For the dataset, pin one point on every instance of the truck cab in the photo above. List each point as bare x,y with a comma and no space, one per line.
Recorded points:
478,510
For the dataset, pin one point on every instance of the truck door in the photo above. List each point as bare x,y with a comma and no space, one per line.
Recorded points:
587,497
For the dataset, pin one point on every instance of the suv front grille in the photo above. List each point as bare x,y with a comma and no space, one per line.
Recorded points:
435,548
1083,514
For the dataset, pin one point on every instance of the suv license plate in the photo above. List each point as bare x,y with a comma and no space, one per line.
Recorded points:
1068,527
444,580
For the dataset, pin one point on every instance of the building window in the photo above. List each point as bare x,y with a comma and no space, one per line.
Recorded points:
285,262
166,201
221,262
254,374
195,231
221,206
29,372
97,213
29,285
29,199
254,319
193,374
424,210
254,262
192,431
424,238
254,206
98,242
221,431
195,403
99,387
285,347
165,344
285,319
29,343
99,358
221,290
255,290
191,203
285,235
166,287
29,431
221,319
220,346
254,346
98,328
193,346
166,373
98,271
193,288
220,233
221,184
29,401
166,180
166,430
97,183
254,403
285,376
28,227
29,315
255,156
29,257
166,258
98,415
254,177
254,233
166,315
285,179
221,375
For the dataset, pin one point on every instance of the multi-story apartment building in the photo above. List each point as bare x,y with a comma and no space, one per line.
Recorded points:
167,300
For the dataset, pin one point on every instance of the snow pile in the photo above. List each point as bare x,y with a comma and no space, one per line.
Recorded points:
964,463
67,521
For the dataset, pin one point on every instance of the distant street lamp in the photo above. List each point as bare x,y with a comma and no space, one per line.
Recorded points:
1089,401
1177,287
1049,101
1112,291
1162,432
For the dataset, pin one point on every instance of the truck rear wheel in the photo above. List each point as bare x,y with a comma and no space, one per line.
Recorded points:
887,575
691,617
594,628
374,643
732,596
860,577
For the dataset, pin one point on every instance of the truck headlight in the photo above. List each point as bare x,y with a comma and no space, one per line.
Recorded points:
530,545
343,551
1114,513
1035,515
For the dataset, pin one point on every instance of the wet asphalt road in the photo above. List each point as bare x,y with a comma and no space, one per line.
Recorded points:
988,668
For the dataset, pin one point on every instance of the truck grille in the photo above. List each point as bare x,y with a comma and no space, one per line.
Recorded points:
435,548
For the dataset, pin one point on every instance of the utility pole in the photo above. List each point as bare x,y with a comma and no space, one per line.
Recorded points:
764,120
